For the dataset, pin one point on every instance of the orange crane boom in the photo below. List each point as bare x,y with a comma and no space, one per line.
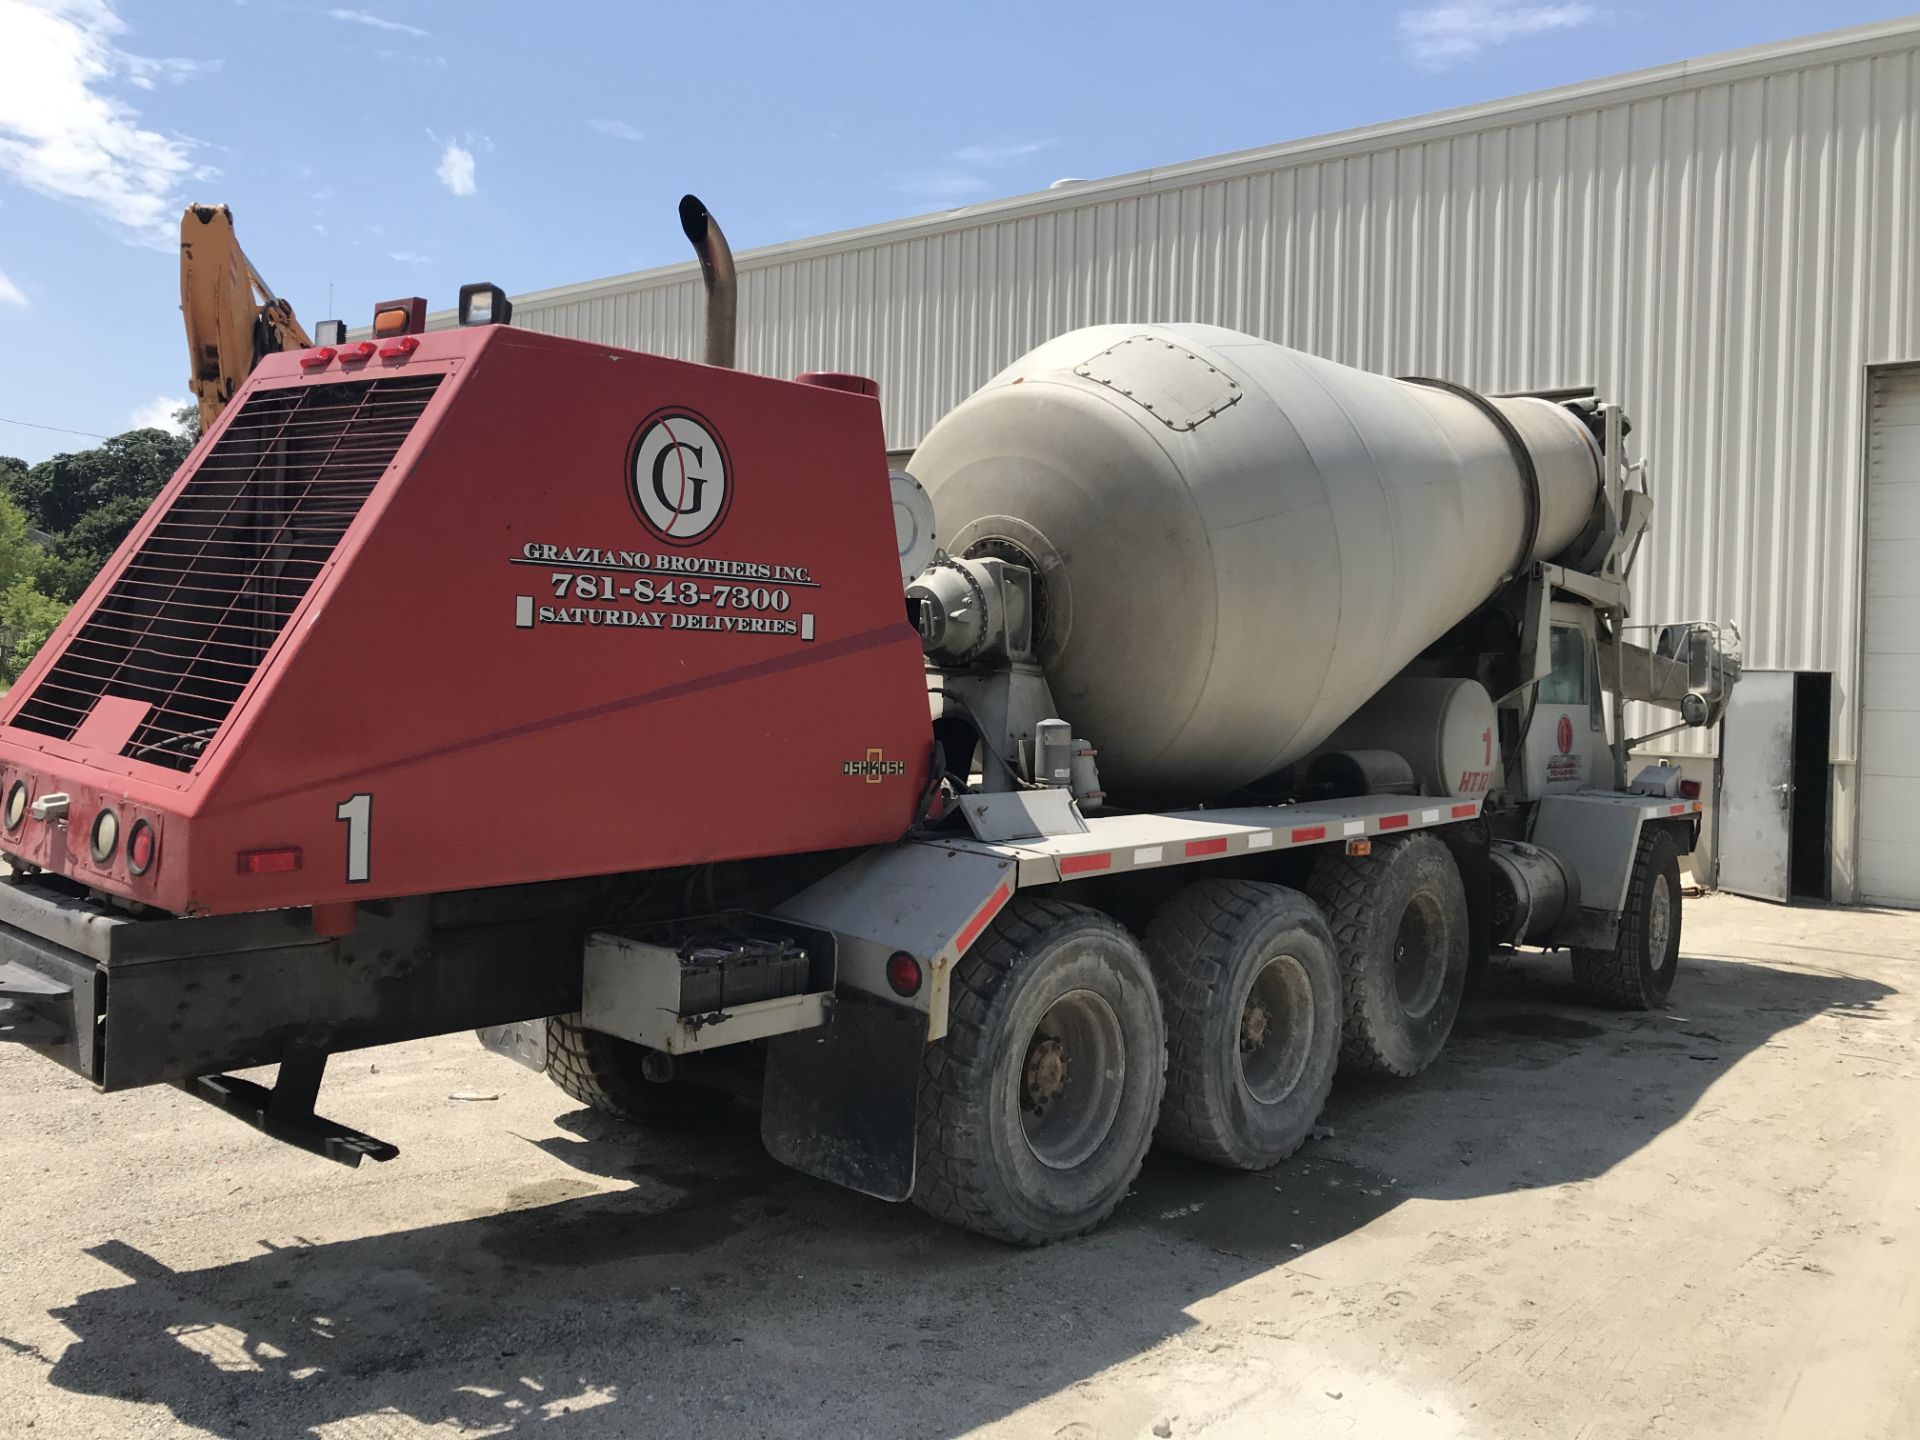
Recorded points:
233,317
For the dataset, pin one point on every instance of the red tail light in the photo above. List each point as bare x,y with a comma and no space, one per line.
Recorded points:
903,974
140,847
1690,789
283,861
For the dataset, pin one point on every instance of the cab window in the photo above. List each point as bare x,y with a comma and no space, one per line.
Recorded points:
1566,683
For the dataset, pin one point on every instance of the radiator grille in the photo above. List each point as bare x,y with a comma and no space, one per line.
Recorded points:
190,619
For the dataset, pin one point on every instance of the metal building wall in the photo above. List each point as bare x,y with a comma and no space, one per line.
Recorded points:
1724,245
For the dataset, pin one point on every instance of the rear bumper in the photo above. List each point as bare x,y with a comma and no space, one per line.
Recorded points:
127,1002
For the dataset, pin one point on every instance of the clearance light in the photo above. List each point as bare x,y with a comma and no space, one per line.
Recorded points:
401,348
394,318
16,804
106,836
903,974
317,359
1359,847
140,847
355,353
282,861
484,304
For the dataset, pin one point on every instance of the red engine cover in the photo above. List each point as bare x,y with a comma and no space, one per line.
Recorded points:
503,608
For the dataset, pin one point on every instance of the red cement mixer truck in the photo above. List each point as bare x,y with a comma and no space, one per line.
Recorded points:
1190,722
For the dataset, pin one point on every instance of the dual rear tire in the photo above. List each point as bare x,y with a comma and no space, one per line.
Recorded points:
1250,985
609,1074
1070,1047
1037,1108
1069,1050
1399,918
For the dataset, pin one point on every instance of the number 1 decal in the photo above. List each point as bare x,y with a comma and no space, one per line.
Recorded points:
357,815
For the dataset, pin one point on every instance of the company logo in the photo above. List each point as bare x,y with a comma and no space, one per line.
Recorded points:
1563,735
677,477
875,768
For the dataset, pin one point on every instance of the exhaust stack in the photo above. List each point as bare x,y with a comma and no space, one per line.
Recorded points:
716,269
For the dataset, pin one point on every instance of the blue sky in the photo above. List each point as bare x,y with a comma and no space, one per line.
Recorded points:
392,147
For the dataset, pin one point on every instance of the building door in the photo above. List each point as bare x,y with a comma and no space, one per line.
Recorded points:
1755,819
1887,859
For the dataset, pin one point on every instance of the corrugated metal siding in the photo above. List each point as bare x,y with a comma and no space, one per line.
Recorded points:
1722,247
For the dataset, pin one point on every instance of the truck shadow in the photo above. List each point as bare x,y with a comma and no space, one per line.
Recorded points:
718,1294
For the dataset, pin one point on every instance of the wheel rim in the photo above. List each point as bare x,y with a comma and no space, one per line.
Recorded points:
1071,1078
1660,924
1419,965
1276,1030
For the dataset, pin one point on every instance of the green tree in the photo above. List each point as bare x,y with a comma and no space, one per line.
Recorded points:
61,519
87,501
20,556
27,616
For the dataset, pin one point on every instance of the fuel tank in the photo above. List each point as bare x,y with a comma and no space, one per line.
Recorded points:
1237,544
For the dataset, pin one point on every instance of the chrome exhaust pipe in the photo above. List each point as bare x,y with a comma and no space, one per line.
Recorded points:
716,269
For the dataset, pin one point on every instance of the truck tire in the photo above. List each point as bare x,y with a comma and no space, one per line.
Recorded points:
604,1071
1037,1107
1399,920
1638,972
1250,987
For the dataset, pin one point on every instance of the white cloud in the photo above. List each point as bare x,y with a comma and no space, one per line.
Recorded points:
62,131
143,73
378,22
949,186
1000,154
10,293
958,181
1447,34
619,129
158,414
456,169
409,257
403,57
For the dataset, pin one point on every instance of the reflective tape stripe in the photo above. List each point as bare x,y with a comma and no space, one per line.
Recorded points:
1081,864
982,918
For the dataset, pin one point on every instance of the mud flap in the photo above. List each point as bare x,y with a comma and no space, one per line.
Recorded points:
524,1041
1470,844
841,1101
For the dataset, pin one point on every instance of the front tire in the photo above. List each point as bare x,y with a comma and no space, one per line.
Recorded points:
1250,985
1037,1107
1638,972
1399,917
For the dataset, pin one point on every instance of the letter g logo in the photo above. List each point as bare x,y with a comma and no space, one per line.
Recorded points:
677,477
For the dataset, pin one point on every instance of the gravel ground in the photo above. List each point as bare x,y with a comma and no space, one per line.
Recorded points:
1580,1223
